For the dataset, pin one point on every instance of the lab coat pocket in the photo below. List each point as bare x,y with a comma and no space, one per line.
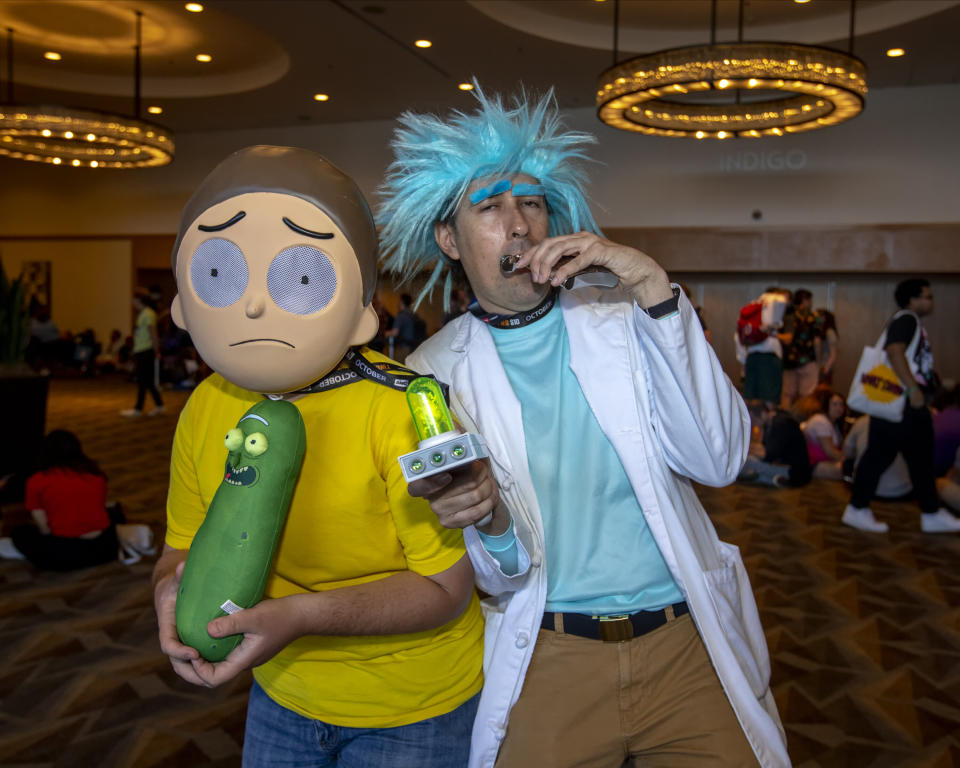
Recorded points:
736,609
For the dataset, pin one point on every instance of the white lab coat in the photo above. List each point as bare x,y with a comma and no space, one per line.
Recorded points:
660,396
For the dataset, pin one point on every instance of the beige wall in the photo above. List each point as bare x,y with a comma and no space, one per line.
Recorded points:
896,163
91,280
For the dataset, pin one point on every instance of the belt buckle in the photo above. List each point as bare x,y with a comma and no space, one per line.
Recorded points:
615,629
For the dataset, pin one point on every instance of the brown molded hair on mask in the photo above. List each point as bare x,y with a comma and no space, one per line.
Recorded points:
301,173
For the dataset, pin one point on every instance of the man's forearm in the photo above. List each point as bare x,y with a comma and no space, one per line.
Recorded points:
167,563
402,603
898,361
653,290
40,518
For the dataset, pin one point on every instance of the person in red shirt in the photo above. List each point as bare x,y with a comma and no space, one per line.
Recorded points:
68,501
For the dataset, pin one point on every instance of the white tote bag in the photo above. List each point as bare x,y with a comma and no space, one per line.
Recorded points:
876,390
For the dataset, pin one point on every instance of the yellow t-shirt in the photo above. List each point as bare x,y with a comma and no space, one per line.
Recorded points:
351,521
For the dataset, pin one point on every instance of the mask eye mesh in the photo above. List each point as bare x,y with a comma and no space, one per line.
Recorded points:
301,280
218,272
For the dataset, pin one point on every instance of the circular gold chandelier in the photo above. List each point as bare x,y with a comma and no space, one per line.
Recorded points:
80,137
794,87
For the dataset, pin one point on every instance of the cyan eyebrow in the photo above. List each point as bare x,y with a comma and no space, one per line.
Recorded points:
308,232
217,227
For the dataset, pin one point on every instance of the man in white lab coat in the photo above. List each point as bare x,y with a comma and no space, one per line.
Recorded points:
619,628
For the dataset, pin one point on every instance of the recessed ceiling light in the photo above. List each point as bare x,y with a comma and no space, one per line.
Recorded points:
801,2
194,7
204,57
423,43
52,56
155,110
895,52
321,97
465,86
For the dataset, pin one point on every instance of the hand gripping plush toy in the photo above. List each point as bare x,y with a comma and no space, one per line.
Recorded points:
276,267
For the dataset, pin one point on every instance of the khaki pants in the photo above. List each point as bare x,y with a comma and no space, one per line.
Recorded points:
652,701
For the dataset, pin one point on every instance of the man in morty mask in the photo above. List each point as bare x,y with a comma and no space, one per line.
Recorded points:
366,649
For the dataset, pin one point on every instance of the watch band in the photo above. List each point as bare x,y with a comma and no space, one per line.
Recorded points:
667,307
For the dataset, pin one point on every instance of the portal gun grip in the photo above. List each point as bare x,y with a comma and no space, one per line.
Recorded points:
441,447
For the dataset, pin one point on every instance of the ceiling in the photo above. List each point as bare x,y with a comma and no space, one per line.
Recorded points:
271,56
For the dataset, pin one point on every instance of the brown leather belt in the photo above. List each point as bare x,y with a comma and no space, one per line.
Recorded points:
612,629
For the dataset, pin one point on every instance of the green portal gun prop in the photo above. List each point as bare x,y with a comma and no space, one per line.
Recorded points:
442,448
231,555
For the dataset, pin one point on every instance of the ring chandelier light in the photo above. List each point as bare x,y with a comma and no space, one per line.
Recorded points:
813,88
81,137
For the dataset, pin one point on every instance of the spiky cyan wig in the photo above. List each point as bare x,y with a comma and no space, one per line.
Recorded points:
435,160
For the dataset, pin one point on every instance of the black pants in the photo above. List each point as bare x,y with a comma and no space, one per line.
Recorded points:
913,437
60,553
146,372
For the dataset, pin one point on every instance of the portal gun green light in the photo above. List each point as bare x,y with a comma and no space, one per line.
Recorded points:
442,448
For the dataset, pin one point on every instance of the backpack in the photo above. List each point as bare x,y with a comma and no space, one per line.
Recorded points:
749,324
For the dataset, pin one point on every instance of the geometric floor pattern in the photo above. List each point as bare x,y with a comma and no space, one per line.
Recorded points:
863,630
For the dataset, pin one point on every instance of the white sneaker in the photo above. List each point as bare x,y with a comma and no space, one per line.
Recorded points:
9,551
157,411
132,412
941,521
863,519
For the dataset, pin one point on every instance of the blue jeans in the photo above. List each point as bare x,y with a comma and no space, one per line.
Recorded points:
764,470
276,736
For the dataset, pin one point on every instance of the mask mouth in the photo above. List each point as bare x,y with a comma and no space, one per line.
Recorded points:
253,341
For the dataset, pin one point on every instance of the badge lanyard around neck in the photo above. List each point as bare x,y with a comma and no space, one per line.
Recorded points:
387,373
520,319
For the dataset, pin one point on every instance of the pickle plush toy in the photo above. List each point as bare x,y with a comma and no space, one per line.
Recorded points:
232,552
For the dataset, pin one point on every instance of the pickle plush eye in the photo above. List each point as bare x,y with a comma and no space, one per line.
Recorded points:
255,444
234,440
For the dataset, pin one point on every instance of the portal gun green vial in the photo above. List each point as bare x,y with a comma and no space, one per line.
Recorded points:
442,448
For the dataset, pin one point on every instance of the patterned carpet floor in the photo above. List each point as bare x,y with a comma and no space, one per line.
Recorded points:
864,630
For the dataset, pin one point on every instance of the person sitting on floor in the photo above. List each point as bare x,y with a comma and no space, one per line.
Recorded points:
784,461
949,486
823,433
946,429
68,501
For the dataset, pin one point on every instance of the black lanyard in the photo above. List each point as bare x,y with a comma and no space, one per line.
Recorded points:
518,320
388,373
